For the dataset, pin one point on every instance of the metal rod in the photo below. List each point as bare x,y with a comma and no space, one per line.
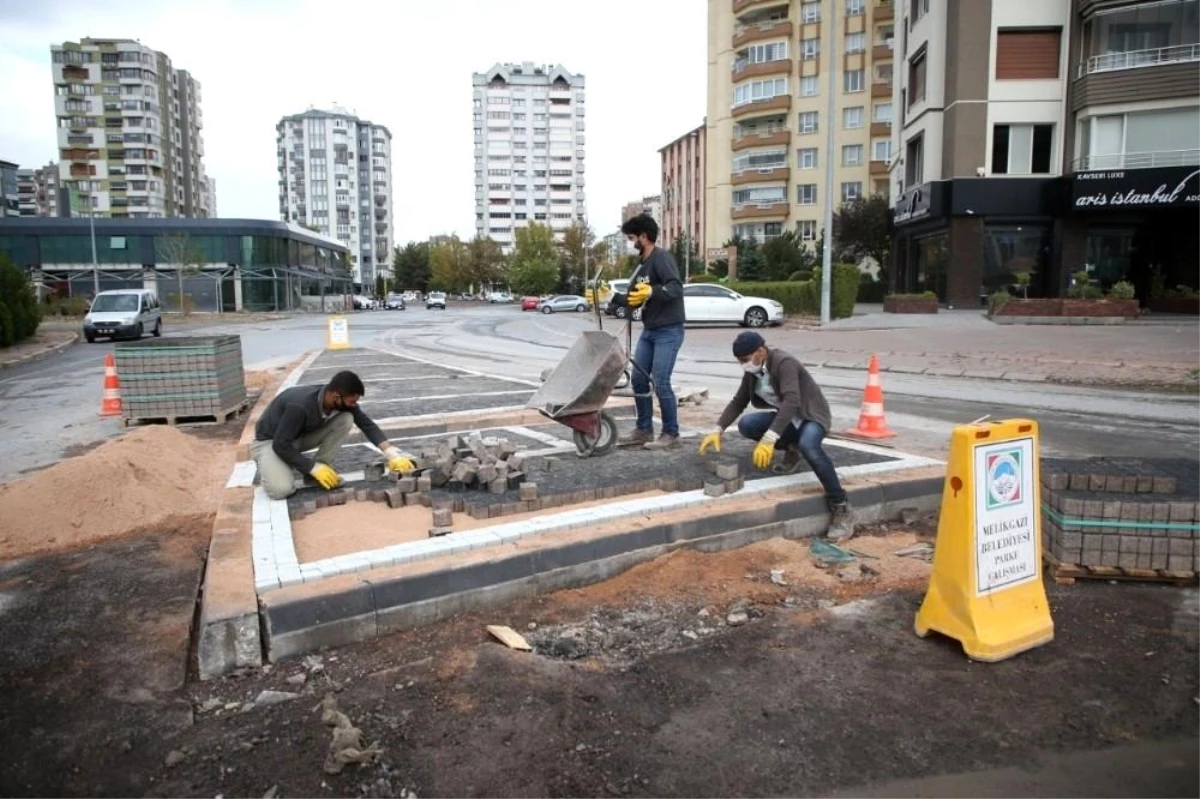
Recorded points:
831,112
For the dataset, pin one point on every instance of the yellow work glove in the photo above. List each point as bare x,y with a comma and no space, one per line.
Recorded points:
398,461
326,476
712,440
638,295
764,453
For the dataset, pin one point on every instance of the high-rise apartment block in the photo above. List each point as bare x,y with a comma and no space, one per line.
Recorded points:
9,202
38,190
768,89
529,149
335,176
684,167
129,130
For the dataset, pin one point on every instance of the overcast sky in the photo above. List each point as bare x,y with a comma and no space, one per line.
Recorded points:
406,64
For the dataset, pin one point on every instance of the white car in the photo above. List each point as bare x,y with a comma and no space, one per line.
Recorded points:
499,297
710,303
436,299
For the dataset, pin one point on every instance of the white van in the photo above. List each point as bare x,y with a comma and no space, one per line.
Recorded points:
128,313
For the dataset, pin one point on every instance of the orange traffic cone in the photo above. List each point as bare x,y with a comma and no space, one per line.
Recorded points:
111,404
871,423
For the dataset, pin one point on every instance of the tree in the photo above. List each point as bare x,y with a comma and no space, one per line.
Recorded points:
486,262
580,256
783,256
19,309
410,265
383,287
180,251
533,267
679,248
749,261
450,265
861,230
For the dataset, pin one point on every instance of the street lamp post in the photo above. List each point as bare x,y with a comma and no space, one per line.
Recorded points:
827,252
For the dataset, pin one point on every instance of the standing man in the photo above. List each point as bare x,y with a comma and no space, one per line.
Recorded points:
655,288
796,421
315,417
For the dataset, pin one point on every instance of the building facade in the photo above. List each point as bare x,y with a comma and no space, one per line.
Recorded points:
231,264
652,205
210,188
530,137
769,64
335,177
129,130
684,167
1045,137
9,200
38,192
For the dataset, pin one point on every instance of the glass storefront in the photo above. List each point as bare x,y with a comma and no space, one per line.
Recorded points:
931,258
1015,252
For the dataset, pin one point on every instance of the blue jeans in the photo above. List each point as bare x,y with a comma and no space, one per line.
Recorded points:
655,355
807,438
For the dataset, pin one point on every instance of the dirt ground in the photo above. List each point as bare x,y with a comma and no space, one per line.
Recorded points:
694,675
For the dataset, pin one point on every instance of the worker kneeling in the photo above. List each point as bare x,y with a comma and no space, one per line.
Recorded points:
315,417
796,422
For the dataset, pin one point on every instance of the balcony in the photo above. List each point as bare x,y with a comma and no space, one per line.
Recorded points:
781,136
742,6
1148,160
770,105
1134,59
884,11
878,167
881,129
779,210
881,88
882,52
760,175
743,69
774,29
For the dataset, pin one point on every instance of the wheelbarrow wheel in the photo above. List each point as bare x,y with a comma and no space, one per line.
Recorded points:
586,446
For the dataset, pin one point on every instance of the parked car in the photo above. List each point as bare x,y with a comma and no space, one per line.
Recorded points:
395,302
436,299
563,302
364,303
499,296
712,303
530,303
127,313
410,297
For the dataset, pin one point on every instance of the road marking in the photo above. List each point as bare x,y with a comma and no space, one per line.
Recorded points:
395,421
447,397
355,364
294,377
535,384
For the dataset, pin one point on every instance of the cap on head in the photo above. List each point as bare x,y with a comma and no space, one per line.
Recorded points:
746,343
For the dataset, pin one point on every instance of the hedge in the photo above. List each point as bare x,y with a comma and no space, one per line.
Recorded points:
703,278
804,296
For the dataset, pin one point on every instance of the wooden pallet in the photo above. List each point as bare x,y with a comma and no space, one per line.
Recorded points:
1068,573
221,417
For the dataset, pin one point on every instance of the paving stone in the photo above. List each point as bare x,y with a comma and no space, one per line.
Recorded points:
1145,483
1164,485
728,471
379,495
424,485
1180,511
1159,552
424,500
1056,481
361,494
460,505
514,479
322,501
309,507
374,472
1111,509
714,488
337,498
735,485
442,517
497,486
407,485
529,492
395,498
438,532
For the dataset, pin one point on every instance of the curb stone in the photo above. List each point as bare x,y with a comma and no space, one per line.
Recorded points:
54,349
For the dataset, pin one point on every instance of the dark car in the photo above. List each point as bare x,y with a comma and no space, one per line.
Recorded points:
395,302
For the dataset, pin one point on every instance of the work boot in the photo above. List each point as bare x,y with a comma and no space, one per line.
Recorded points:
792,459
841,521
664,442
637,438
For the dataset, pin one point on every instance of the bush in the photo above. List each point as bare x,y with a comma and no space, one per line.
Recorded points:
846,280
703,278
21,302
1122,291
997,300
7,333
804,297
789,295
801,274
67,306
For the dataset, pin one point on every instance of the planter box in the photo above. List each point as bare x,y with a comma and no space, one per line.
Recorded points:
1179,305
1071,308
895,304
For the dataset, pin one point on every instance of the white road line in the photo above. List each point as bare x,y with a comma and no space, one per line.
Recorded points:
294,377
395,421
350,364
537,435
445,397
534,383
399,379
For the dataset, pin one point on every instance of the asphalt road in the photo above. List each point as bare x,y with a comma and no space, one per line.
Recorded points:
51,406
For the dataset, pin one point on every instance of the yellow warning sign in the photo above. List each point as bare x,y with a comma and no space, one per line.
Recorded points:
986,589
338,334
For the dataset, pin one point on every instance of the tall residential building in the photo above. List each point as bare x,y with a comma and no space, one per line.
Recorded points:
37,191
684,167
1046,137
129,129
210,189
9,205
335,176
529,149
647,205
768,81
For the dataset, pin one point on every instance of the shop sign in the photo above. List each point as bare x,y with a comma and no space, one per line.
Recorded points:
913,204
1172,187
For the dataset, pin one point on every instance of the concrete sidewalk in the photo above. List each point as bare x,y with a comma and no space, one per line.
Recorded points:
43,344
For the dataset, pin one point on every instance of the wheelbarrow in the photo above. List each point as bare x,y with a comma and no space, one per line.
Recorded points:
575,392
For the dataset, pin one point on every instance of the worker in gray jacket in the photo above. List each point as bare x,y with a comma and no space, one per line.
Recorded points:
315,417
795,420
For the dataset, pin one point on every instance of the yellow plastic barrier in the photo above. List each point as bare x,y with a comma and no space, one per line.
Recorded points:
337,334
986,588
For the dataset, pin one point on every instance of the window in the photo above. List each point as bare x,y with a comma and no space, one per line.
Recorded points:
852,81
809,86
852,155
762,53
1027,54
806,229
806,158
765,195
851,191
882,112
810,49
1141,34
759,160
806,194
856,42
916,10
808,122
1138,140
810,12
855,8
881,150
759,91
914,161
916,78
1021,149
852,117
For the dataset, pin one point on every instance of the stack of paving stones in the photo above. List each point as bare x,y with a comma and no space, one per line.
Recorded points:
181,377
1121,518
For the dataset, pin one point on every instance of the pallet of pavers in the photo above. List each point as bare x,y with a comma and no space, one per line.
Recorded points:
1121,519
181,380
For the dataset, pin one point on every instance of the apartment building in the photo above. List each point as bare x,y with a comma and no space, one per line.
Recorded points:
652,205
684,167
1045,137
335,177
129,130
38,191
530,135
769,64
210,189
9,201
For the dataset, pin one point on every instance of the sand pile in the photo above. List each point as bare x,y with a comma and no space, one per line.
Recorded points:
153,479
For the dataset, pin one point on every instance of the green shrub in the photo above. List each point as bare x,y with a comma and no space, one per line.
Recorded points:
790,295
997,300
844,293
1081,287
7,333
703,278
24,313
67,306
1122,291
1186,292
804,297
801,274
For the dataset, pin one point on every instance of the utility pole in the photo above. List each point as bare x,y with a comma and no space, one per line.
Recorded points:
687,213
830,121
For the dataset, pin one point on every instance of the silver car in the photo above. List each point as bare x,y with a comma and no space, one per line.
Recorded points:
563,302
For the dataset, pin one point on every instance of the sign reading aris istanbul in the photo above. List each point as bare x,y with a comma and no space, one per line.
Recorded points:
1172,187
1005,544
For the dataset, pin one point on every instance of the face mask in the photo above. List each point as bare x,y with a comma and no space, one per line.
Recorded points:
751,368
637,246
